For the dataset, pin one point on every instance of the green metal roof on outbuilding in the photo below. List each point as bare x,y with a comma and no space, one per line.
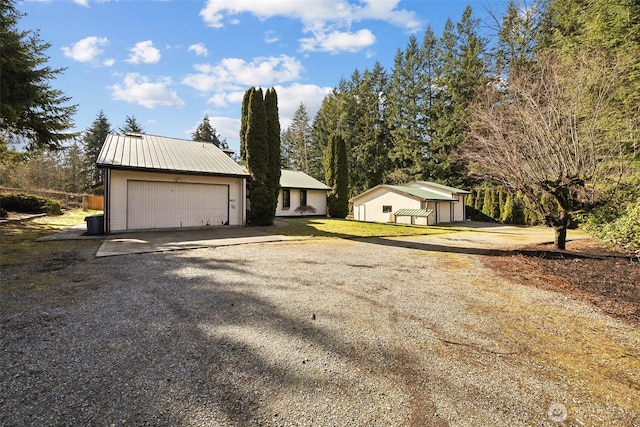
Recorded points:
420,193
414,212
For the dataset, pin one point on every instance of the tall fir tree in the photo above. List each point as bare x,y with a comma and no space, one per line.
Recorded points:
462,74
337,176
296,141
93,139
31,110
131,125
370,137
409,102
207,133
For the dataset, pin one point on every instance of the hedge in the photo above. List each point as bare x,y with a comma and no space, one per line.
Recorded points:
28,203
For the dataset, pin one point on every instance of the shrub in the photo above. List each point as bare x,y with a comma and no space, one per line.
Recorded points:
28,203
620,229
3,213
304,209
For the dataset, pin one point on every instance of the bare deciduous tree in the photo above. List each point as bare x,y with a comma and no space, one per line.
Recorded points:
551,134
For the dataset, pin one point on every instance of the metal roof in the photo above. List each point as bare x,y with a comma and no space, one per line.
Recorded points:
159,153
299,179
413,212
421,193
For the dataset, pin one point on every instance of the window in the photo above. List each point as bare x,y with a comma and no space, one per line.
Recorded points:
286,198
303,197
387,209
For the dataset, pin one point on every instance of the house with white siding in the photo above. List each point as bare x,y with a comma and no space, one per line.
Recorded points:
155,182
299,189
418,203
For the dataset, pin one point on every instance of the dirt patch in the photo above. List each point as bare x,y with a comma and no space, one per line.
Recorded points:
586,271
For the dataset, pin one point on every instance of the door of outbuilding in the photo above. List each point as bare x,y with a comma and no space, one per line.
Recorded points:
155,204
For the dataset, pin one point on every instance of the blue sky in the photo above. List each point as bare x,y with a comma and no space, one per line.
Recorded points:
170,62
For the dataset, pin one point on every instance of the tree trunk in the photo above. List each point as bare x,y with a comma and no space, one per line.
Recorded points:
560,236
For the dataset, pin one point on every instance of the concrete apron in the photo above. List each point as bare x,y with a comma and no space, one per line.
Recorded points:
169,240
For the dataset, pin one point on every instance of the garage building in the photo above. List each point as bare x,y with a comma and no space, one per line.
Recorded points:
155,182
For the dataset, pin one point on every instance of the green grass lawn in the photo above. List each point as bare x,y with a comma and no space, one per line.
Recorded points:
342,228
18,238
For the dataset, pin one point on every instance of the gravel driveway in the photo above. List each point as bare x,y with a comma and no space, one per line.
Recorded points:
322,332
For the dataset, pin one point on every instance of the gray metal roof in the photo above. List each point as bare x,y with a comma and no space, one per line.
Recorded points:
159,153
299,179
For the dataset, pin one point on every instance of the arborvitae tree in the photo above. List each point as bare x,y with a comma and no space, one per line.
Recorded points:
338,200
507,210
330,161
207,133
296,141
93,139
257,154
131,125
30,109
479,202
243,125
273,145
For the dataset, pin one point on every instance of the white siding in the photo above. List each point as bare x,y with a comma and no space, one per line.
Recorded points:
315,198
119,185
444,212
459,209
370,206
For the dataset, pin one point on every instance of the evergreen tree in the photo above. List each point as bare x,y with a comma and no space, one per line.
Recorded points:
370,138
243,125
207,133
296,141
131,125
462,74
410,100
257,157
338,200
324,124
273,145
30,109
74,172
93,139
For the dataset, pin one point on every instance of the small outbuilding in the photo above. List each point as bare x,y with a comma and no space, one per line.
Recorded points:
155,182
418,202
301,194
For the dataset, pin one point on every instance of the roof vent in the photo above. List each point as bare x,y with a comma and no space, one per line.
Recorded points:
133,135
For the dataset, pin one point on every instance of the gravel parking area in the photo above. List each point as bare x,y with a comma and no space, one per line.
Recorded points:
321,332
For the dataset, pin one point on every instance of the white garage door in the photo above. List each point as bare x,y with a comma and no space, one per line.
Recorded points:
152,204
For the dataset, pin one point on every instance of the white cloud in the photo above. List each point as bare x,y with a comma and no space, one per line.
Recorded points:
84,3
109,62
199,49
144,52
141,90
271,37
85,50
290,98
338,41
236,73
328,21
